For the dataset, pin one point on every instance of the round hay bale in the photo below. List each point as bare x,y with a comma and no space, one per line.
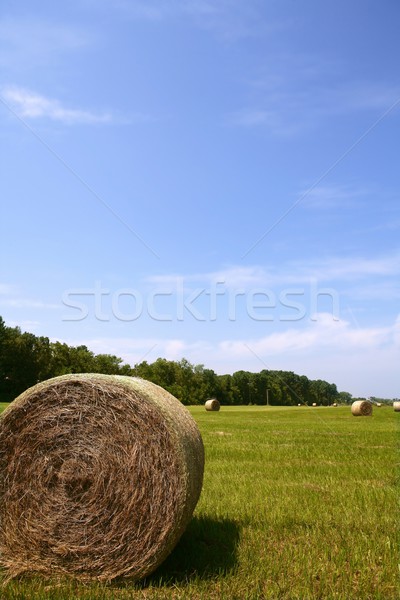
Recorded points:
212,405
361,408
99,476
396,406
299,404
334,404
314,404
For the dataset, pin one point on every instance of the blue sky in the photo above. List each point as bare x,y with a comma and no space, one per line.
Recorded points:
215,180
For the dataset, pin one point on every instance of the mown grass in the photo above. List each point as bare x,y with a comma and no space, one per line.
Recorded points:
297,503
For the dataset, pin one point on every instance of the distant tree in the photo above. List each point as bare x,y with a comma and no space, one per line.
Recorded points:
110,365
24,360
344,398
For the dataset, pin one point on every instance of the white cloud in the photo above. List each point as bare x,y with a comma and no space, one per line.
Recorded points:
324,332
31,105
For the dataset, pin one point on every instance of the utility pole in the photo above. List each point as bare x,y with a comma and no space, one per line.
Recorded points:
267,396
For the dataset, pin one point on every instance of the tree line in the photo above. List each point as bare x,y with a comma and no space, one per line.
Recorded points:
26,359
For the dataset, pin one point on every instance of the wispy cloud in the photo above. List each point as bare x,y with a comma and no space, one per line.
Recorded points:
6,289
29,41
226,19
233,276
31,105
333,196
11,296
292,93
29,303
273,119
334,269
349,269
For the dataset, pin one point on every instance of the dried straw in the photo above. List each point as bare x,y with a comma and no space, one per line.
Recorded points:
212,405
99,476
396,406
361,408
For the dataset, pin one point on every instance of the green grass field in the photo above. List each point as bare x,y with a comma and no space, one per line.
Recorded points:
297,503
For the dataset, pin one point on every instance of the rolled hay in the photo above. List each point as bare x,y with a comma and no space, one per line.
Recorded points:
396,406
334,404
99,476
361,408
212,404
314,404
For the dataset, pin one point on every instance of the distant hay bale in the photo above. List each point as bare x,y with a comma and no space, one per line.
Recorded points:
212,405
379,404
396,406
99,476
334,404
314,404
299,404
361,408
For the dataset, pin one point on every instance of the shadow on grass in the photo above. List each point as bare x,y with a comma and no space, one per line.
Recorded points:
207,549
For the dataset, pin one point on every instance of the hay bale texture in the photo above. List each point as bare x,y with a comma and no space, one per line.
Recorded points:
361,408
212,405
99,476
396,406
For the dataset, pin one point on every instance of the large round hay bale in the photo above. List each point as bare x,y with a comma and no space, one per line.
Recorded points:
99,476
314,404
361,408
212,404
396,406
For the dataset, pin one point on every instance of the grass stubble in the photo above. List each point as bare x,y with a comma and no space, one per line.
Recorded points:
296,504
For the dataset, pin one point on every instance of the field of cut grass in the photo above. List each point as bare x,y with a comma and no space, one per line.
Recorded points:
297,503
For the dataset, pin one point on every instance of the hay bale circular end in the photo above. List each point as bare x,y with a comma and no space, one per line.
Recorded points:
361,408
314,404
99,476
396,406
212,405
